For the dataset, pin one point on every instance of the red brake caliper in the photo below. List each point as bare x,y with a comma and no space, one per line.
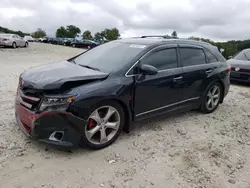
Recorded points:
91,123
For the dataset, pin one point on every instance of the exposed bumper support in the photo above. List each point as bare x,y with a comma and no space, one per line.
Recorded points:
42,126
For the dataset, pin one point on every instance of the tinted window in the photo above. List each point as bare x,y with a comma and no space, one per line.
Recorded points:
111,56
211,57
163,59
243,55
192,56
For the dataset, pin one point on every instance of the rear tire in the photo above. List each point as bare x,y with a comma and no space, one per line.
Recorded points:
211,98
111,134
14,45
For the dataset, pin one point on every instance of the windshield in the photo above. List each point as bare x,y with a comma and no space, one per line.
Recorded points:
243,55
109,57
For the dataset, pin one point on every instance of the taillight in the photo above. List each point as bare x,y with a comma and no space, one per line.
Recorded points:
4,39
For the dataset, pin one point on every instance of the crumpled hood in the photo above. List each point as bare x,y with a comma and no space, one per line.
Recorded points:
53,76
239,63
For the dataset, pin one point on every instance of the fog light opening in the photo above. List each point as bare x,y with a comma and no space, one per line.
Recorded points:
57,136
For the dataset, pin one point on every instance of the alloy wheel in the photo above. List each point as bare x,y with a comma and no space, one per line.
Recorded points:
213,97
103,125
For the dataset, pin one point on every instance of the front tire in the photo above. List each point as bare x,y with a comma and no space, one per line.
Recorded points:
211,98
105,124
14,45
26,45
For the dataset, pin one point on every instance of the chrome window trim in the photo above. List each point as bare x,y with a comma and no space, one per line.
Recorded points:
131,75
156,109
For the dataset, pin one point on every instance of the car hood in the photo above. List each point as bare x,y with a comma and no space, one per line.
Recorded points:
53,76
239,63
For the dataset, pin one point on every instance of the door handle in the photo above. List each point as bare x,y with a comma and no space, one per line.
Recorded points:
177,79
208,71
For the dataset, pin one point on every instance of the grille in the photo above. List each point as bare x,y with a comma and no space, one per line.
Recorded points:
30,100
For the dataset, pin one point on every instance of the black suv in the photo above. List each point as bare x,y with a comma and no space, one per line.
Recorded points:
89,99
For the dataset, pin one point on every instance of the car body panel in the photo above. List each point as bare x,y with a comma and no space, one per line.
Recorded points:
153,92
240,70
53,76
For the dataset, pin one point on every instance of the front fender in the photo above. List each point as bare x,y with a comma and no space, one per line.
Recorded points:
94,93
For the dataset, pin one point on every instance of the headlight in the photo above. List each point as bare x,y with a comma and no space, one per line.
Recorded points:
56,103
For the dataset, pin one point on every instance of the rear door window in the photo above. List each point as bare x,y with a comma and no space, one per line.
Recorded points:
192,56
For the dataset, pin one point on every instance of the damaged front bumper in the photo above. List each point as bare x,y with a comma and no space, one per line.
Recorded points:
57,128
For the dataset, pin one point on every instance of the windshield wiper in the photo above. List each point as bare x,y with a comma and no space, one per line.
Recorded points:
246,57
72,61
89,67
86,66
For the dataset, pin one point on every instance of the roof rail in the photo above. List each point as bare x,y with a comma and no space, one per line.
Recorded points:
159,36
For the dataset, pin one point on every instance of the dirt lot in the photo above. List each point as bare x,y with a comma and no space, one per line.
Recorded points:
186,150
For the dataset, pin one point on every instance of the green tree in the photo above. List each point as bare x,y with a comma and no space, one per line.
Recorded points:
72,31
98,36
174,34
230,47
110,34
6,30
87,35
39,33
61,32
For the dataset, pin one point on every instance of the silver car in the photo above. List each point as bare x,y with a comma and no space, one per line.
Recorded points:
12,40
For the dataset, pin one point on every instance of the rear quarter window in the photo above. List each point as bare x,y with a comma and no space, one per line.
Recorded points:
210,56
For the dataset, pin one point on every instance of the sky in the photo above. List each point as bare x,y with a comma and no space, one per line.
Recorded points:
219,20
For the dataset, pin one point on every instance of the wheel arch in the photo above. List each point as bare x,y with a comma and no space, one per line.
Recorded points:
126,109
223,90
84,112
222,87
128,116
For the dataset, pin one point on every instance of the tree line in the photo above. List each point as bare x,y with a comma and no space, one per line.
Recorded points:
230,47
71,31
6,30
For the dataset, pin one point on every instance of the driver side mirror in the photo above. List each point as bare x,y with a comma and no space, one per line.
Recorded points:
230,57
148,69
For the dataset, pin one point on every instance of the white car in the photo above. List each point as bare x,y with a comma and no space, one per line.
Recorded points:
12,40
28,38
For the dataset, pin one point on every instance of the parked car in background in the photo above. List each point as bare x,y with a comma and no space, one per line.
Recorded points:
28,38
83,44
91,98
67,41
44,39
59,41
36,39
240,64
12,40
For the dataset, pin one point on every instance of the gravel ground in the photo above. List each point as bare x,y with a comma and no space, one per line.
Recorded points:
186,150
